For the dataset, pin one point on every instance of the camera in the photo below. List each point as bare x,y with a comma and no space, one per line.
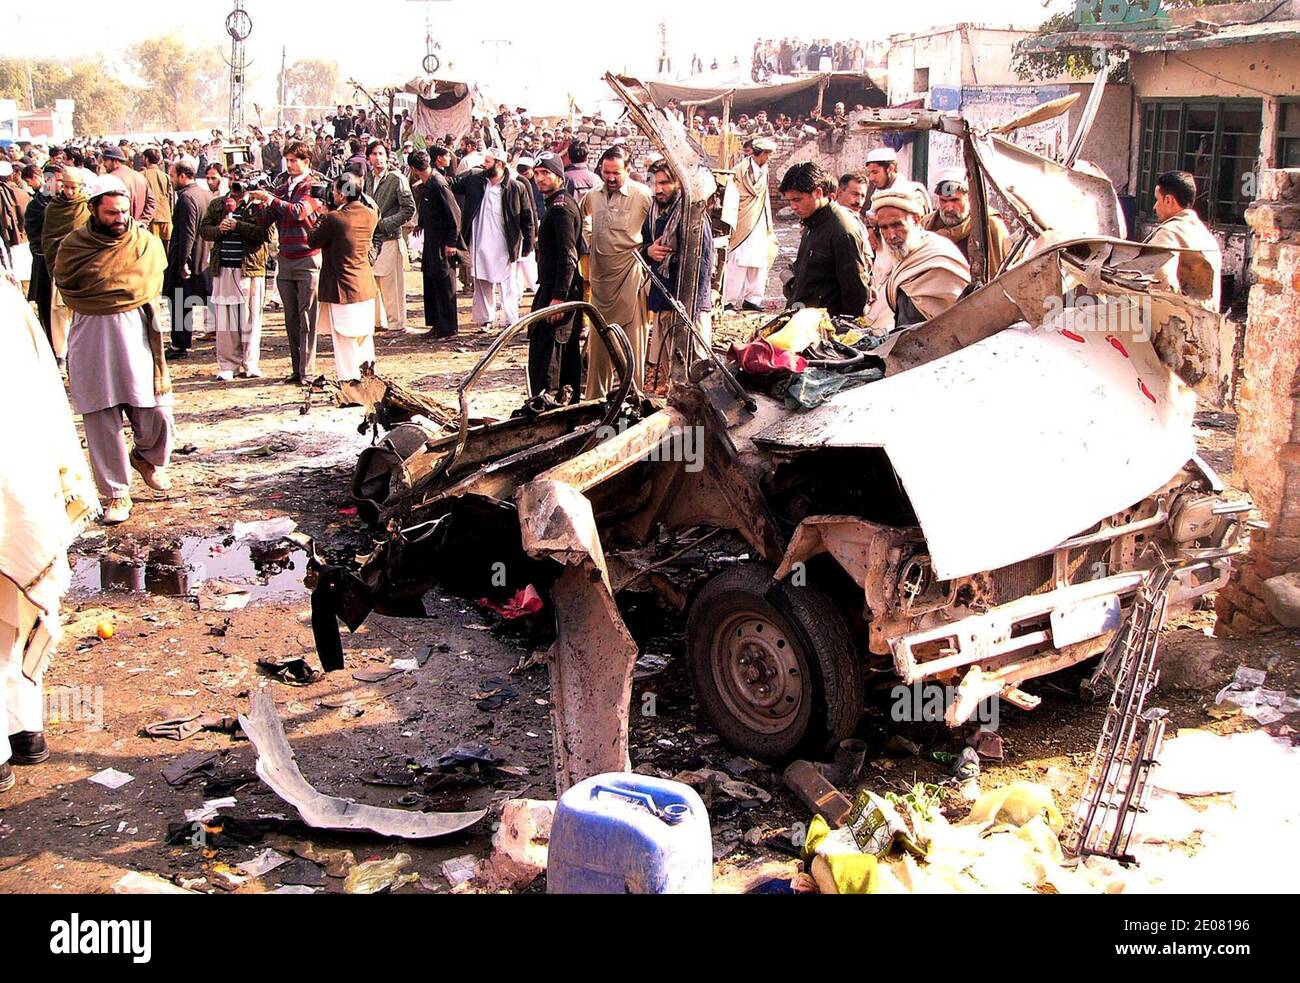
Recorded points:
255,182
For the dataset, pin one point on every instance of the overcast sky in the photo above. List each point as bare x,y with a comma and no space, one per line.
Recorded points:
384,43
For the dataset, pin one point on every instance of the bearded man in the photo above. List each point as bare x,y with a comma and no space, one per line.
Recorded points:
747,208
110,272
498,225
952,220
67,211
613,219
882,173
927,272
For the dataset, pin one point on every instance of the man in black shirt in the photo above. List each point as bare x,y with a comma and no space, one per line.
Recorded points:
830,270
554,348
439,218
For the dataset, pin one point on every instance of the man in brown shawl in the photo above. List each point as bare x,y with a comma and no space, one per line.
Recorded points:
952,220
67,210
928,272
747,208
110,273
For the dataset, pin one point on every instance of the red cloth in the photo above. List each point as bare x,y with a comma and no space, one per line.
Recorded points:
525,602
759,358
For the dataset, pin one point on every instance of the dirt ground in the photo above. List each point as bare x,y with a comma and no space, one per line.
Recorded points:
249,452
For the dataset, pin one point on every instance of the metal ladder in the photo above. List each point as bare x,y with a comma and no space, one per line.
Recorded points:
1117,788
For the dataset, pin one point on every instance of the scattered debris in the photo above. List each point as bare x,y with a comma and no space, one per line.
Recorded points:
265,862
519,848
139,882
219,595
189,767
459,870
278,769
111,778
265,530
987,744
336,863
811,787
525,602
182,727
291,672
1247,692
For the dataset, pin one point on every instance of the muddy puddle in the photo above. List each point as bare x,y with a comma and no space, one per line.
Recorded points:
267,571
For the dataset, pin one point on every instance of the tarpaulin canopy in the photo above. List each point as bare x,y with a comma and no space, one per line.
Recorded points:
794,97
441,107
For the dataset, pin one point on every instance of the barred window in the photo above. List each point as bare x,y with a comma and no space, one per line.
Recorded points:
1215,140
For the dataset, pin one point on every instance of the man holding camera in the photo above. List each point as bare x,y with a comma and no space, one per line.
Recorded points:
293,208
240,249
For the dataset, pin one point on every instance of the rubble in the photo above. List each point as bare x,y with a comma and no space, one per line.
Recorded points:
278,769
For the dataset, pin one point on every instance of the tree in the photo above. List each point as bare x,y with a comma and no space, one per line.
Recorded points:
103,102
1076,62
181,85
310,82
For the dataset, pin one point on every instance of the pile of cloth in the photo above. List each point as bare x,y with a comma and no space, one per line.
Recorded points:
806,356
1009,843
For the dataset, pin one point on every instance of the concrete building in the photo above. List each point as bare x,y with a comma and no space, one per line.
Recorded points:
1216,93
966,68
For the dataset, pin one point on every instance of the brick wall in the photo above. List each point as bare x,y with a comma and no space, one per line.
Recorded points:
1268,404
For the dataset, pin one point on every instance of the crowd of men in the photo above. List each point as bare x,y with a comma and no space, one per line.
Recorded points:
111,243
792,56
119,247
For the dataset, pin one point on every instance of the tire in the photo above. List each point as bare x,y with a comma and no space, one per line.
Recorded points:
774,667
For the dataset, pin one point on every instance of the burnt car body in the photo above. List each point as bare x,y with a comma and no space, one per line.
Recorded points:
983,515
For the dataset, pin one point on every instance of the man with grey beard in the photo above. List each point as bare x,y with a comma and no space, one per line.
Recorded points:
927,272
952,220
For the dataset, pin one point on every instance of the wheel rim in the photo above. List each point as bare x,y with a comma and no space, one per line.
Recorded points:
757,672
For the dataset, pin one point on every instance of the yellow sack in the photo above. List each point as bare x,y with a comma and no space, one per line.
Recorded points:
805,328
1016,805
847,873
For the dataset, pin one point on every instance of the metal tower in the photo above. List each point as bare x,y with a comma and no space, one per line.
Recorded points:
239,26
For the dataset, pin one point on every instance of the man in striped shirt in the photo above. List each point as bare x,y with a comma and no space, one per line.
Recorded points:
294,211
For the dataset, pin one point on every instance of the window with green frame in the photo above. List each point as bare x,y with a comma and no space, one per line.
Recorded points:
1215,140
1288,133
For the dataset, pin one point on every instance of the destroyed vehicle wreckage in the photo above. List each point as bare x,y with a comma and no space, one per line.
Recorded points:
981,516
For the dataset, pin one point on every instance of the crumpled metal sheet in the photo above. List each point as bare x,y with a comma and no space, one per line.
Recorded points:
278,768
593,657
1011,445
1069,201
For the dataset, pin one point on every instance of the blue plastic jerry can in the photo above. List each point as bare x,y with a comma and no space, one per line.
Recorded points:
630,834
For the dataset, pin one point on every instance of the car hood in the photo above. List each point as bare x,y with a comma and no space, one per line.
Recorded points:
1012,445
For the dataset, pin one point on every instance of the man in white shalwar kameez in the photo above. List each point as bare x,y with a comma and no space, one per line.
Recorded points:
496,286
747,209
347,280
46,495
110,273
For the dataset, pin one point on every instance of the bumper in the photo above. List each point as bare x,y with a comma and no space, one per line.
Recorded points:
1036,635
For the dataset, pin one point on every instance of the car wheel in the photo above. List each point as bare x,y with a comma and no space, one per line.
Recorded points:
774,667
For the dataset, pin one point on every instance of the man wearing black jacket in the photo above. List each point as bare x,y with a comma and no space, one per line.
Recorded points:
42,286
187,282
507,231
830,270
439,218
554,345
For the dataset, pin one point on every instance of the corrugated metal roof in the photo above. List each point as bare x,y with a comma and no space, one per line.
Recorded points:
1180,39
